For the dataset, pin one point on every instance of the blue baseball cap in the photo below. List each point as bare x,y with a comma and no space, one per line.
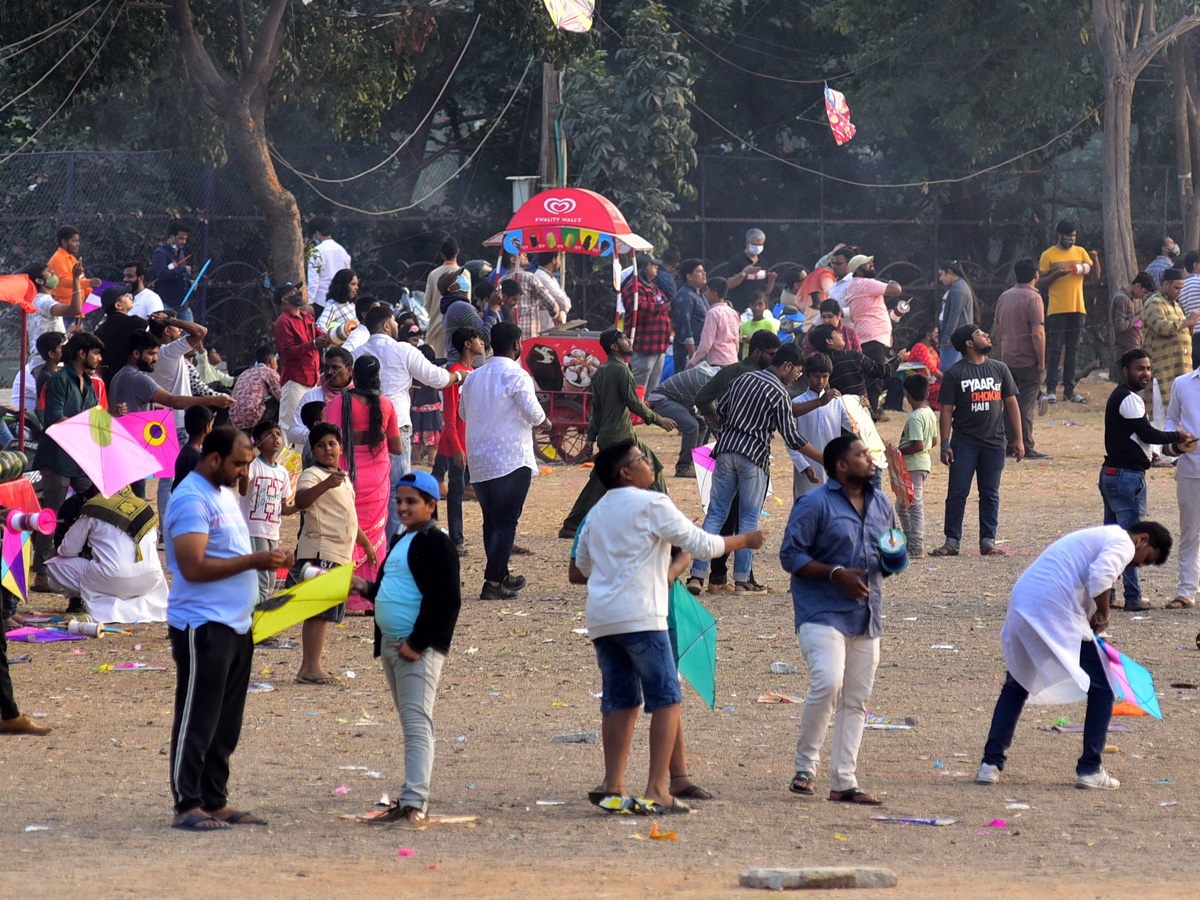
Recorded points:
423,482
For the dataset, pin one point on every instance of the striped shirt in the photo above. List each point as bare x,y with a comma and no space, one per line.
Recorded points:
753,409
1189,297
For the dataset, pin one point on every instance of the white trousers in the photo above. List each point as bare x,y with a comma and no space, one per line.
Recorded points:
841,671
1187,490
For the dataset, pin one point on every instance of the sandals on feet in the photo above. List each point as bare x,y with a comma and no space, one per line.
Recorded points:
695,586
194,823
1180,603
690,792
802,783
854,795
944,550
644,807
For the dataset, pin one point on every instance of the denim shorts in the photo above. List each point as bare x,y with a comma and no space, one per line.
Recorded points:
636,663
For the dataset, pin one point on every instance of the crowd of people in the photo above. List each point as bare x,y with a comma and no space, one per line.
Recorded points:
337,421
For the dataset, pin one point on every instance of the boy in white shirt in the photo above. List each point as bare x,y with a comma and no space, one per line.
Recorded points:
624,551
821,417
264,494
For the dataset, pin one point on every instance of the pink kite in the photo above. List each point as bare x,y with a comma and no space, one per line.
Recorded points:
109,456
839,115
155,431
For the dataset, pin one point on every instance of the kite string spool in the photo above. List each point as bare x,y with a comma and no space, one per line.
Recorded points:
310,571
893,550
86,629
42,521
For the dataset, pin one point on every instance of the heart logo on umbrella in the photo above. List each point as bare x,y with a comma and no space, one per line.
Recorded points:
559,206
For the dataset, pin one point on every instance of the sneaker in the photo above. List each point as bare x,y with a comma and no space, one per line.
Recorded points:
987,774
1036,454
413,818
566,534
1100,781
22,724
496,592
514,582
750,587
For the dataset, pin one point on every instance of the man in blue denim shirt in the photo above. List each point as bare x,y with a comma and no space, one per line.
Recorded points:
831,549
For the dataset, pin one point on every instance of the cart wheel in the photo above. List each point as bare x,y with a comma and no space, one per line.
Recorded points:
565,441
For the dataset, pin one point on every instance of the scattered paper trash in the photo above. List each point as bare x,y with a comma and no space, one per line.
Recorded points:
782,668
913,820
406,851
656,835
942,647
577,737
1016,806
373,774
779,698
551,802
37,828
997,823
1164,803
349,673
258,687
341,789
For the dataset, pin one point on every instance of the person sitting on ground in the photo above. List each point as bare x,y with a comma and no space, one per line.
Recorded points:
624,552
1058,605
109,558
329,530
417,596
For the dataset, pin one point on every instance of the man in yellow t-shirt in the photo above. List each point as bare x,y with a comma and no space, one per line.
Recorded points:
1062,269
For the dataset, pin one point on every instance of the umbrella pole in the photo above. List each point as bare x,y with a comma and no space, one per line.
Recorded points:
636,284
24,364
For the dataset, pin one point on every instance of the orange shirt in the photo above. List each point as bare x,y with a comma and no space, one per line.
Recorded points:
62,264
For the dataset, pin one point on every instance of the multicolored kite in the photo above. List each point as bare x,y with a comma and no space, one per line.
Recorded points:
109,456
839,115
1130,682
16,553
155,431
572,15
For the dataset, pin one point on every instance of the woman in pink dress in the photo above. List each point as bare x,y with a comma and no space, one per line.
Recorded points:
925,352
374,436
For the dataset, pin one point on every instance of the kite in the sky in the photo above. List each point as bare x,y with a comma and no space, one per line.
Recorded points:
839,115
572,15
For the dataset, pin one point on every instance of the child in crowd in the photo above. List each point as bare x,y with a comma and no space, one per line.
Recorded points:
264,492
197,422
821,417
920,436
417,599
831,314
328,532
452,448
493,313
426,416
759,321
311,415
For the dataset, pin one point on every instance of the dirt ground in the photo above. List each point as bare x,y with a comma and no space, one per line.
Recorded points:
519,674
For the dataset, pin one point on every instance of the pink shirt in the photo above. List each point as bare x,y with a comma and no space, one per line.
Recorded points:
864,296
719,339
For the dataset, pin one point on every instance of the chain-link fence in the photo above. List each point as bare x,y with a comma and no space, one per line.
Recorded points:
122,202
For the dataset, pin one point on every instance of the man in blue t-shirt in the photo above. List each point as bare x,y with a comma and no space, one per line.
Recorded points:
214,585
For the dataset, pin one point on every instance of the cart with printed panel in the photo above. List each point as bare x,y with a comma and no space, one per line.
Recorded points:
563,360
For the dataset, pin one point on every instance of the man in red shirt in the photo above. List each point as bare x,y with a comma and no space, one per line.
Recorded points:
647,321
299,343
452,448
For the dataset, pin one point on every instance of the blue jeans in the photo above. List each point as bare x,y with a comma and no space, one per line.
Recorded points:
501,501
1124,495
455,482
636,665
984,465
401,465
690,426
735,474
948,357
1095,722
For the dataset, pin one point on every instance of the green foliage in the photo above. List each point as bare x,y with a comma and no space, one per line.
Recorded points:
628,124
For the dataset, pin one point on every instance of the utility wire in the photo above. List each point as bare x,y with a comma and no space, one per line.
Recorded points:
45,34
311,177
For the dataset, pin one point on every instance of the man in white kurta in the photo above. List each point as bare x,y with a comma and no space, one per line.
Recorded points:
1058,605
122,581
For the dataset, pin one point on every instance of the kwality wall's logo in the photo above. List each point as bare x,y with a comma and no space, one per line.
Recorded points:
560,209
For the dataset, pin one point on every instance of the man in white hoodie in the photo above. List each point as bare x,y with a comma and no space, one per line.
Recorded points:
624,551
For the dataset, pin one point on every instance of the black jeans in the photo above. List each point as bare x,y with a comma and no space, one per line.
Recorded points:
501,501
8,705
1095,723
455,484
1062,338
881,354
212,665
1029,381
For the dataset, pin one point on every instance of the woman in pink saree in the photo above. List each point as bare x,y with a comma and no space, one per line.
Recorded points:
371,439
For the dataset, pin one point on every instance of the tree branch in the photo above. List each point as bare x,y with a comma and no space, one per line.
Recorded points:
208,78
243,40
266,49
1149,48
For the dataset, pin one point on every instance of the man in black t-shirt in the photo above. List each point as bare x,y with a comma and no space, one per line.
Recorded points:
977,395
748,273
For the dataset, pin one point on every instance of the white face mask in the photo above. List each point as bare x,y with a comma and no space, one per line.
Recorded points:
755,249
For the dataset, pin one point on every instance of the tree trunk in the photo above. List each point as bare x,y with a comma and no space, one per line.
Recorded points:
1187,136
1120,263
246,136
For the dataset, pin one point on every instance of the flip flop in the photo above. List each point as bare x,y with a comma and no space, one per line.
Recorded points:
191,823
854,795
1180,603
944,551
693,792
236,819
327,680
802,783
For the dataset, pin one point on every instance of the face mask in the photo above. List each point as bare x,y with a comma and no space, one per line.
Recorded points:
755,249
51,281
463,283
1173,252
